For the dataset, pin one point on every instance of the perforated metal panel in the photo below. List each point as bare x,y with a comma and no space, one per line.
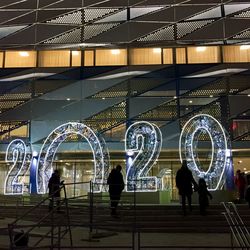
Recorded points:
215,88
244,14
75,17
210,14
93,14
213,109
189,27
243,35
108,118
97,29
129,88
69,37
159,35
166,111
220,87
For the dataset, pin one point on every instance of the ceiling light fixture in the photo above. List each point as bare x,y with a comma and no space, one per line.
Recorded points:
201,49
75,53
157,50
244,47
24,53
115,51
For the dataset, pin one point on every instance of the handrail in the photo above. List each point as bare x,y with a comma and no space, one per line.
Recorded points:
133,225
237,226
13,225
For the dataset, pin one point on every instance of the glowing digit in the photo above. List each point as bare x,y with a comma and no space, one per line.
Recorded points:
54,140
143,145
16,156
188,144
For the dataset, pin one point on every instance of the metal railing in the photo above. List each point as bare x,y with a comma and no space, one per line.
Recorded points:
90,215
239,231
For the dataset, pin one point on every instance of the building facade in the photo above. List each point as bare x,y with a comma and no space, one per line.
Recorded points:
109,65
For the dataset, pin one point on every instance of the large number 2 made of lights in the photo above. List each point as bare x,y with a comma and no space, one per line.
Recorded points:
143,142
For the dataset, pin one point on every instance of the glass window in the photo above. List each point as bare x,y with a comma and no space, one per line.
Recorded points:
145,56
236,53
20,59
181,56
76,58
84,172
54,58
20,132
203,54
111,57
168,56
88,58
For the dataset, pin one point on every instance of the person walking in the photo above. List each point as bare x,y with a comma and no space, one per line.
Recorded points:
240,183
116,185
185,182
54,190
203,196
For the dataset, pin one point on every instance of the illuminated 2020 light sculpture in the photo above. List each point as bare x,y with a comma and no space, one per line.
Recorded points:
142,145
188,145
17,157
53,141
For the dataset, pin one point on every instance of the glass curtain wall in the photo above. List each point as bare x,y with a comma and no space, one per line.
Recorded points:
65,99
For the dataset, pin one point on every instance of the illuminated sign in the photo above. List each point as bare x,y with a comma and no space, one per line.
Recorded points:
188,143
143,142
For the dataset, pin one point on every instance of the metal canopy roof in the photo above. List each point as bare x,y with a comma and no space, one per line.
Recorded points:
67,24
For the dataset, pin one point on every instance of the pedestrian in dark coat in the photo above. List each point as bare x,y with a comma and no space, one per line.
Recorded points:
185,182
203,196
116,185
54,189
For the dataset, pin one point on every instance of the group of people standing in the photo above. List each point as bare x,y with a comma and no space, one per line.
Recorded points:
185,183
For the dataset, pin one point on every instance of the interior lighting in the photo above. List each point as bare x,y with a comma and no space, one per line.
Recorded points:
157,50
68,99
244,47
115,51
24,53
75,53
201,49
190,101
211,96
248,95
240,161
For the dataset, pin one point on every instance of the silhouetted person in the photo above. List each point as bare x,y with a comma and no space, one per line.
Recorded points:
203,196
240,182
116,185
185,182
54,190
